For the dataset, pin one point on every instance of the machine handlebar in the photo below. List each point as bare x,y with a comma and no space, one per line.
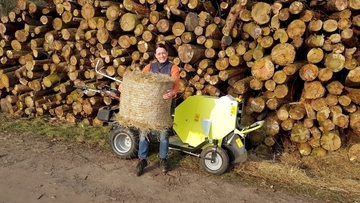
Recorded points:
250,128
104,90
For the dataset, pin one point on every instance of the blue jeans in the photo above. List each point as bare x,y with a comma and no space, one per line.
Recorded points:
144,145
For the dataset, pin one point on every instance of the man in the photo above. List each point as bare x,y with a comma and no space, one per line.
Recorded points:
162,66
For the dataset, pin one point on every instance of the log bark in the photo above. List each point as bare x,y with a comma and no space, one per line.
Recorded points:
231,18
355,120
257,104
139,9
353,77
353,94
224,75
243,85
191,21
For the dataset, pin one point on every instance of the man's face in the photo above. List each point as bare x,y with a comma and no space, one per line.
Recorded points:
161,55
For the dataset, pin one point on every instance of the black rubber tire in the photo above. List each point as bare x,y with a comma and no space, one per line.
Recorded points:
229,153
221,163
124,142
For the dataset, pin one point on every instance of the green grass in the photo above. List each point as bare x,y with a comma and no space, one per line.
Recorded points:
80,132
7,5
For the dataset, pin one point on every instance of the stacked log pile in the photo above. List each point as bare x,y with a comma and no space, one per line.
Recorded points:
297,63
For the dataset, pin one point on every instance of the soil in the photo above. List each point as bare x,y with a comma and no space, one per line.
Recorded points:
35,169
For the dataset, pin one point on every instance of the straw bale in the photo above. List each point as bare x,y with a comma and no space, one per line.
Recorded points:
142,105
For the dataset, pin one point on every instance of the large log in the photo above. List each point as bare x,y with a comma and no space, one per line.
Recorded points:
330,140
191,21
283,54
296,29
263,69
335,62
272,125
260,13
313,90
128,21
189,53
299,133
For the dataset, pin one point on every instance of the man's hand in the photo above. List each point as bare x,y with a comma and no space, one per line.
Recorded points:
120,87
168,95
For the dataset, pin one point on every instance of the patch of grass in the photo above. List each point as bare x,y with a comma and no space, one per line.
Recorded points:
80,132
331,178
8,5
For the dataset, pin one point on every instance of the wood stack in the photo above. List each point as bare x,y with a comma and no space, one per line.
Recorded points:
295,62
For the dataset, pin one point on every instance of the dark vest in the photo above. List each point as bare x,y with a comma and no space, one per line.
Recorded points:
163,68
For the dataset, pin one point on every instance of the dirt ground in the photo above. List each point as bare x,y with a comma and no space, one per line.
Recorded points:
34,169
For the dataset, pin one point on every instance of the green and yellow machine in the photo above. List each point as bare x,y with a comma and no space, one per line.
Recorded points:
207,127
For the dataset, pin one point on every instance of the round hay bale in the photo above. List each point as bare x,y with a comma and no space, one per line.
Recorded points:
142,105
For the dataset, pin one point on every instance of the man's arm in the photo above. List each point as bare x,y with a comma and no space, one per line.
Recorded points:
146,69
175,73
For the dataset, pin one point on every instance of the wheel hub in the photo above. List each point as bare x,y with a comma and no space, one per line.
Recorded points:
122,143
213,163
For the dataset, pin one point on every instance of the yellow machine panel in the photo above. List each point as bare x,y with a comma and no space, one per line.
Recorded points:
200,117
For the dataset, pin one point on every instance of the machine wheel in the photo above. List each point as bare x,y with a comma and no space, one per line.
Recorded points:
124,142
221,163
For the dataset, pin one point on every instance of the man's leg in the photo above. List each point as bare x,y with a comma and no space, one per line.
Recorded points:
142,153
164,149
143,145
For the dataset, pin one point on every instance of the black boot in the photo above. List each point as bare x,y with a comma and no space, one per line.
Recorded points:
140,167
163,165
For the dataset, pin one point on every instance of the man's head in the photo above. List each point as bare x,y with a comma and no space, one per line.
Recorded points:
161,53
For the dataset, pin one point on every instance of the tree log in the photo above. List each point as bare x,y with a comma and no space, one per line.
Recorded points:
335,87
313,90
260,13
263,69
231,18
299,133
309,72
330,141
128,21
335,62
353,146
189,53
